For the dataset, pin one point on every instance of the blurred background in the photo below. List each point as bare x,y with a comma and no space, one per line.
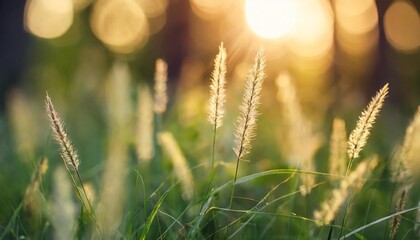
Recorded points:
338,53
353,46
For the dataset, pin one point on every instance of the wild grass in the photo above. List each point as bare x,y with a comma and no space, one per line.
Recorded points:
152,175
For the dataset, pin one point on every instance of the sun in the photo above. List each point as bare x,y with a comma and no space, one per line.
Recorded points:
271,19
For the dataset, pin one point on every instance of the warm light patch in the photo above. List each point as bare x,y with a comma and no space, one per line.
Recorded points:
357,25
209,9
81,4
356,16
312,36
153,8
48,19
271,18
120,24
402,26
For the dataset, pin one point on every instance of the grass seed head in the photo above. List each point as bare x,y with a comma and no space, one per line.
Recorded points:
217,89
359,136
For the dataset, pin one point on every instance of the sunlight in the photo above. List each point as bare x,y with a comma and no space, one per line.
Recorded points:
271,19
121,25
402,26
313,35
48,19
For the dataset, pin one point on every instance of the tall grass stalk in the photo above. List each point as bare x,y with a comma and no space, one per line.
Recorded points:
113,193
144,124
62,208
71,161
302,141
68,153
160,101
217,101
360,134
179,162
402,168
247,120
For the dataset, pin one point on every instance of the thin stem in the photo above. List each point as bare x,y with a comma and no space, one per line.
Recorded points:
233,183
91,211
343,222
292,202
212,170
233,189
241,148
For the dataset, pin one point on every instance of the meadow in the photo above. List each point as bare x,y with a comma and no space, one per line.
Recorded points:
156,175
248,140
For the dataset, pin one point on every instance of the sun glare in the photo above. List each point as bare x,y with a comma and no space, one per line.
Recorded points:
271,19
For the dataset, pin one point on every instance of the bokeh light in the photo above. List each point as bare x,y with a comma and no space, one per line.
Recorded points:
120,24
209,9
48,19
402,26
81,4
313,35
271,18
356,16
153,8
357,25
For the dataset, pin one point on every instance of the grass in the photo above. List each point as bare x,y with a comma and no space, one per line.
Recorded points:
160,172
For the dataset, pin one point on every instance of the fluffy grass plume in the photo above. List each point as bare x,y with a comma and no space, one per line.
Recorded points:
113,191
25,129
338,147
68,153
359,136
399,207
180,164
402,168
144,134
296,129
217,89
69,156
62,208
161,78
31,191
351,183
248,110
33,200
301,141
404,161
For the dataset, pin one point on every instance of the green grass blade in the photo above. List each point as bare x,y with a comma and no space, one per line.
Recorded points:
378,221
154,212
12,220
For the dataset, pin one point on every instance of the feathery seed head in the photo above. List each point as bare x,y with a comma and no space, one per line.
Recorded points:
217,88
144,138
405,160
161,78
180,164
68,153
338,145
352,183
360,134
248,110
402,193
31,199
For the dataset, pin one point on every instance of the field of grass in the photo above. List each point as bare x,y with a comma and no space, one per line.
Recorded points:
125,121
115,162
